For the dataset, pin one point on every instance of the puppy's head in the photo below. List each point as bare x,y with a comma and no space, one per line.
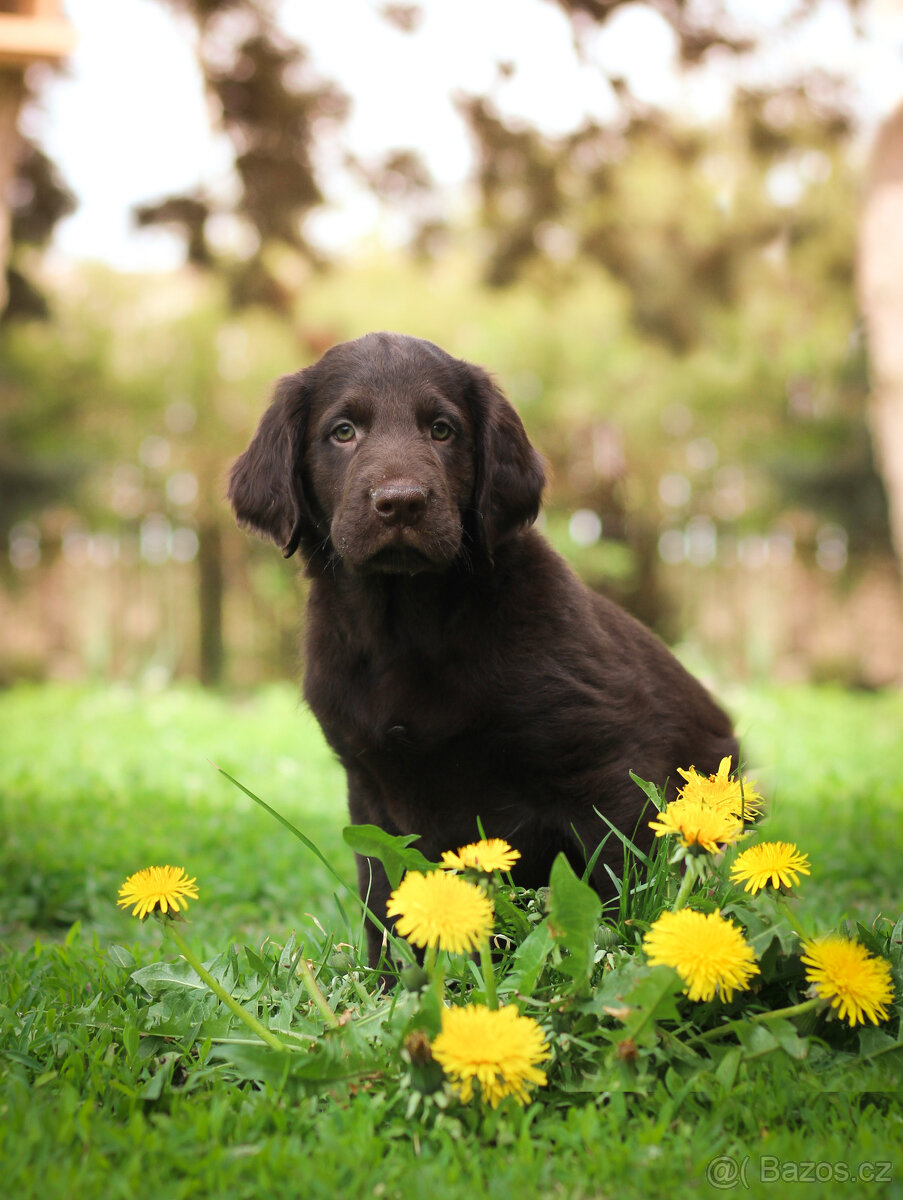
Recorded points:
390,455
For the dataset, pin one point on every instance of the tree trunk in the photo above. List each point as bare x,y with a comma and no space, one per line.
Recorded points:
210,603
880,279
12,90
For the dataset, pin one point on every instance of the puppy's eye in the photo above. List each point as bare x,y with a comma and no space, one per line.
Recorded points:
441,431
343,432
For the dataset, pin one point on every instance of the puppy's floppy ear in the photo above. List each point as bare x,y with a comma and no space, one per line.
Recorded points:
266,488
509,474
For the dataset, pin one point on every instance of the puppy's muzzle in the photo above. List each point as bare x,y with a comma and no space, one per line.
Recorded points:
401,502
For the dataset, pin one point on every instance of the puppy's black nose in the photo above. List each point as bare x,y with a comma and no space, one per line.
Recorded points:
399,503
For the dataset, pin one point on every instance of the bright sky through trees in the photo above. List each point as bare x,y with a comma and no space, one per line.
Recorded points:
127,123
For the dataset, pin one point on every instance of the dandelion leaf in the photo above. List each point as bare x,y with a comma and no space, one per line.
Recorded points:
574,910
530,959
873,1041
652,998
396,854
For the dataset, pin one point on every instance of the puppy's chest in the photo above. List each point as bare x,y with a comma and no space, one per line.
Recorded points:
396,703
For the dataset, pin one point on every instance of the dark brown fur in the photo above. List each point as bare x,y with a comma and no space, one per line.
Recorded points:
458,667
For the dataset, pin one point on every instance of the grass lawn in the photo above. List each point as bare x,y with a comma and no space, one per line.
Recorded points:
96,783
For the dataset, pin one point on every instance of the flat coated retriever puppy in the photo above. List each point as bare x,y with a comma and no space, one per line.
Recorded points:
458,667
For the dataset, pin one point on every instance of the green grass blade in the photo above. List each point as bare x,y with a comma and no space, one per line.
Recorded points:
315,849
293,829
625,840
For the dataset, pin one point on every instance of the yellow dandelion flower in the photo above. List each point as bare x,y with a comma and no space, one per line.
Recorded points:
163,887
490,854
857,983
777,863
496,1048
708,952
738,796
441,910
698,824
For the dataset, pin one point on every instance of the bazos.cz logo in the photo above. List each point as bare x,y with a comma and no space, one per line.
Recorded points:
726,1172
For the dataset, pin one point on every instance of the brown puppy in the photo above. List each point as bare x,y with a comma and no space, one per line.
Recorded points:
458,667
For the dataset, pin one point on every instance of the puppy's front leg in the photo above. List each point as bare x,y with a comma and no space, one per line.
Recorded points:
364,808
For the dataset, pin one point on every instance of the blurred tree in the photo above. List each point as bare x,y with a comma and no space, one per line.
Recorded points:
31,31
278,113
33,470
402,182
40,199
699,26
700,225
33,198
56,388
275,111
706,277
672,209
12,89
881,294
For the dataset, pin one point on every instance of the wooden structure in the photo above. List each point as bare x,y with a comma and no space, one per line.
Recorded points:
30,31
33,30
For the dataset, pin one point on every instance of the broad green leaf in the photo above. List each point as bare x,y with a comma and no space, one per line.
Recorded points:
655,794
530,959
653,997
874,1041
789,1039
121,956
153,1089
761,933
769,959
214,1027
896,937
341,1055
755,1038
162,974
395,853
611,990
674,1082
574,910
726,1071
258,1063
130,1040
256,963
427,1017
869,940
